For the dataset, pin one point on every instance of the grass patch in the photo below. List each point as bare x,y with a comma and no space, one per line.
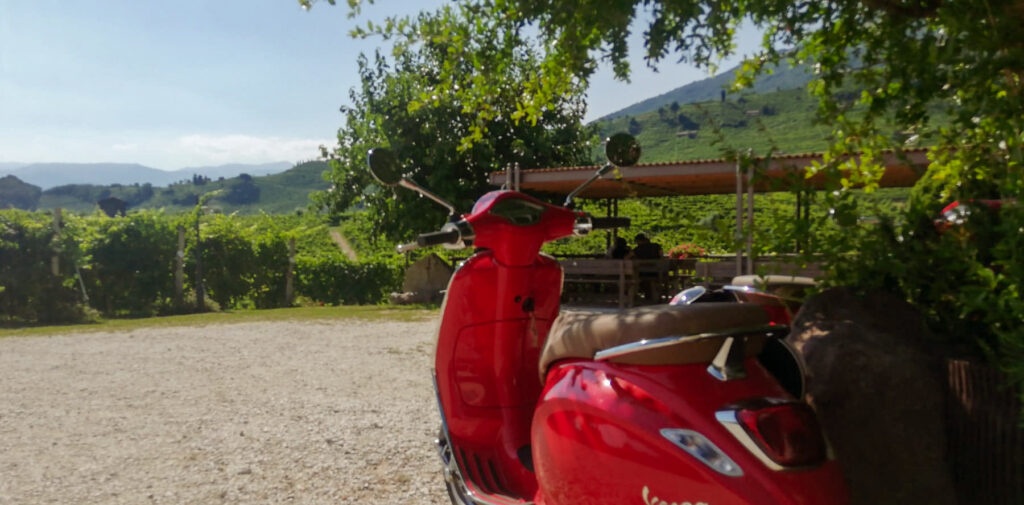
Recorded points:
364,312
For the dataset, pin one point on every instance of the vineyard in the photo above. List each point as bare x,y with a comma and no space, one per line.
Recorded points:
76,267
126,266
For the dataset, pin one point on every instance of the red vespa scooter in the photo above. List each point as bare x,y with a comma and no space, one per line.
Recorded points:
658,405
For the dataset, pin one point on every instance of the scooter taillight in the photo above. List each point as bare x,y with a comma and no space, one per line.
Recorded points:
787,433
777,314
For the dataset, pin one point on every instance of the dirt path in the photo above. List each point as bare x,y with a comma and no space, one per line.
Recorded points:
315,412
343,244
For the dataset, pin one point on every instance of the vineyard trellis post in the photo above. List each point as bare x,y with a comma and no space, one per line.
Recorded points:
200,292
179,266
289,276
55,259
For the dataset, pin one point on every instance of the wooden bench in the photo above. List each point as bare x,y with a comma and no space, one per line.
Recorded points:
665,276
584,273
661,278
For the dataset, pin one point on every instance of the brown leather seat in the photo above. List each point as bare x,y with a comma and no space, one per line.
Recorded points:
580,335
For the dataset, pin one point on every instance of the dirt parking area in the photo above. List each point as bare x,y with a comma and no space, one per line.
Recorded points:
282,412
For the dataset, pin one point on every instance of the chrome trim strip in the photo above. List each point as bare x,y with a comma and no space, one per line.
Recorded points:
690,295
657,343
728,419
746,289
728,362
440,408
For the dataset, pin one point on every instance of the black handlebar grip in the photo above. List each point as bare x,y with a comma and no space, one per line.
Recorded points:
601,223
437,238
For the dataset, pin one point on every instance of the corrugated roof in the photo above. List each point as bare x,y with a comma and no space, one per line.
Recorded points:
700,177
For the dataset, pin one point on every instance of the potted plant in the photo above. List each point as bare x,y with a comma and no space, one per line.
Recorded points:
686,251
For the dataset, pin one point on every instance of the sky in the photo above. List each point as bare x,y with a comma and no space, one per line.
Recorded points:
186,83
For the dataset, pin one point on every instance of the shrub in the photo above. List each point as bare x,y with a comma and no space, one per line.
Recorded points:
131,263
967,281
29,291
229,261
331,278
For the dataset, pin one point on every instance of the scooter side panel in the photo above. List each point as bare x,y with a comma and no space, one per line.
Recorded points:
596,440
495,322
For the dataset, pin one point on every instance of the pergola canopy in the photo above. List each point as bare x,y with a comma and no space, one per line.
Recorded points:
700,177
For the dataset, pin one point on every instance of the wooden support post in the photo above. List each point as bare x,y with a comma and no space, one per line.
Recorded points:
200,290
609,236
55,260
615,213
799,202
803,214
179,267
289,275
739,215
750,218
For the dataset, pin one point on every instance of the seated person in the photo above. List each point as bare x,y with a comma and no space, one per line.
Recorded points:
619,250
645,249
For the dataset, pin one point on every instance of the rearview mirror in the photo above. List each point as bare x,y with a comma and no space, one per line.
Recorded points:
384,166
387,170
622,150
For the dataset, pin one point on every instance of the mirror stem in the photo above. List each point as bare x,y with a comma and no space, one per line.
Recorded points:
408,184
601,171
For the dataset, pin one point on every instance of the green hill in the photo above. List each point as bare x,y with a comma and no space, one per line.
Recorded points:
14,193
784,119
777,78
279,193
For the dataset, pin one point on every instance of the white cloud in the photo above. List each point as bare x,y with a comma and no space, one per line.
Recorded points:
248,149
131,146
158,150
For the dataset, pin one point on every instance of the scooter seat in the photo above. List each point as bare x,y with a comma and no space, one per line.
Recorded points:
580,335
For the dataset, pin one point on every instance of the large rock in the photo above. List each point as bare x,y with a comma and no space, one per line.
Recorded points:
878,389
424,282
428,274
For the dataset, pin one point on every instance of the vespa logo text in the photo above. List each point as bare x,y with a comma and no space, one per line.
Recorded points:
654,500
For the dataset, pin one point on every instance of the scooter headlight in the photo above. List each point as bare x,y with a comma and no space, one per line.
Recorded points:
700,447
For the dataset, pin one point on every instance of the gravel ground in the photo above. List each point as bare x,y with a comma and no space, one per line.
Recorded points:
312,412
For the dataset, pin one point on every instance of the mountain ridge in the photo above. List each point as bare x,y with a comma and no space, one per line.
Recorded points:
282,192
52,174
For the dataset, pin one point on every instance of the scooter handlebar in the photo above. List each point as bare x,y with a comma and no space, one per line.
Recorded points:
602,223
438,237
404,248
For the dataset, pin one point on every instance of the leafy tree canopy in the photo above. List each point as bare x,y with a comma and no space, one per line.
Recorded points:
420,103
903,54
